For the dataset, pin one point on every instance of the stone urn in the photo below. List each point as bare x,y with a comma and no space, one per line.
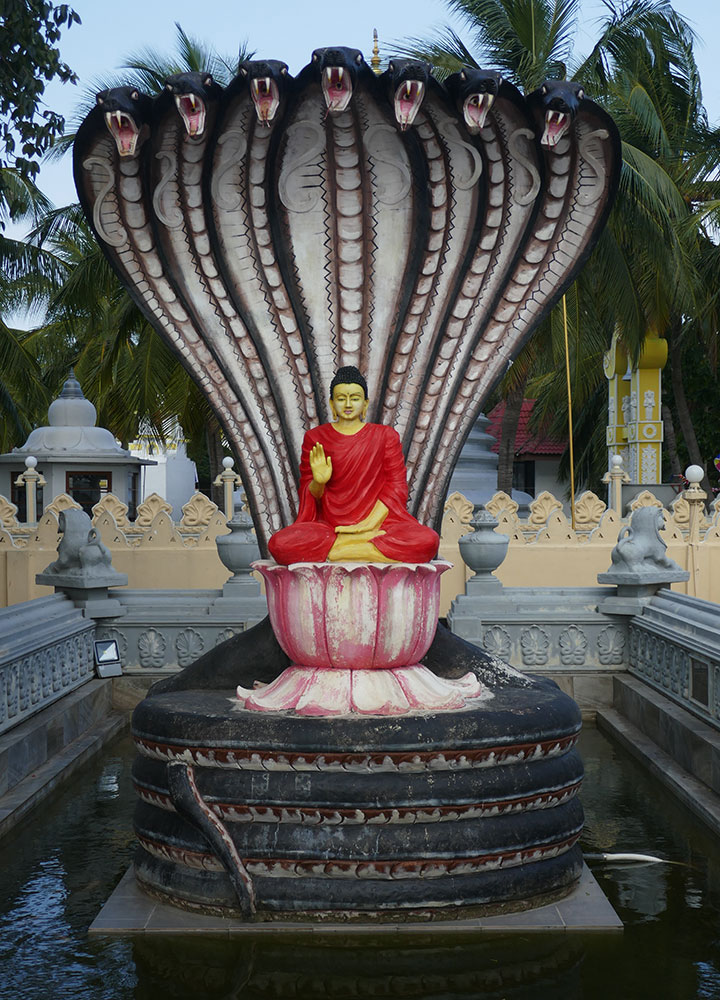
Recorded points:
238,549
484,549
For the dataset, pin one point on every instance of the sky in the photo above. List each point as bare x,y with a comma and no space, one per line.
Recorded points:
288,30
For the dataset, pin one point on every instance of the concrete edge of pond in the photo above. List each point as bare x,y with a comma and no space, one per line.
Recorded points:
54,772
693,793
130,911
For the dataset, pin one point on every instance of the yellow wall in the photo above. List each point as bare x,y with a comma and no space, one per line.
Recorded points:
544,550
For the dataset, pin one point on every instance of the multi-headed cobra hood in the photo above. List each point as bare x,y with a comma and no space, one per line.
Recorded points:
292,226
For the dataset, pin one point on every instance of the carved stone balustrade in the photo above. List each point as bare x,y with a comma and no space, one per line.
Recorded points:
46,651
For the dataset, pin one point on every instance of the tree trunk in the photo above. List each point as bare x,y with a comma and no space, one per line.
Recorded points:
671,441
508,433
681,406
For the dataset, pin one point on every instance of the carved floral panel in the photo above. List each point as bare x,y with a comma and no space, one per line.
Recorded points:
224,635
534,646
573,646
497,642
151,648
188,646
611,646
198,511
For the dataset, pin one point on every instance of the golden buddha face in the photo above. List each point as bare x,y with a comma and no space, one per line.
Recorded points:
348,402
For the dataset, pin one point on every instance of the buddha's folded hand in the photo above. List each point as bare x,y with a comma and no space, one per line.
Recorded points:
370,523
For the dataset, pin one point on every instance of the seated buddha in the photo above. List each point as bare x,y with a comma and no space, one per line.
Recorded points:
353,490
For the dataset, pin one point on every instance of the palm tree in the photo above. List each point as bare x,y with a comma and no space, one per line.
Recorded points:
90,322
22,389
643,70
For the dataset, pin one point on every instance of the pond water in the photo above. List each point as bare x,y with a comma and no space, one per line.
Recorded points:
59,869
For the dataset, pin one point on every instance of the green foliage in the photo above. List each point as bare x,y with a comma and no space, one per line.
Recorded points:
91,324
29,58
702,386
149,69
656,265
88,320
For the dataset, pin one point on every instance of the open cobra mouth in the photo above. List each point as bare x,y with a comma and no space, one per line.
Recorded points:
266,98
475,110
123,130
408,98
192,112
556,125
336,87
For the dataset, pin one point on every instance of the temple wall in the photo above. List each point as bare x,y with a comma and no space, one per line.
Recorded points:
545,550
159,553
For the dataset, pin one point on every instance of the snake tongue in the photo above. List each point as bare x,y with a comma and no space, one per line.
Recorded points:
408,98
192,112
475,110
556,125
266,98
123,130
337,88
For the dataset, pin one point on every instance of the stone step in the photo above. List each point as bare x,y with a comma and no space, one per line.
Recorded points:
28,745
688,740
693,793
34,754
54,772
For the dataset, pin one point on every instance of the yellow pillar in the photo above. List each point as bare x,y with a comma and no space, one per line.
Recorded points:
635,428
615,364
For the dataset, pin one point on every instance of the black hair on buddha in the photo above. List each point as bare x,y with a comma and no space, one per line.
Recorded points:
349,375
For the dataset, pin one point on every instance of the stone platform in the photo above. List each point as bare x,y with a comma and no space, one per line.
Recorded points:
280,815
130,911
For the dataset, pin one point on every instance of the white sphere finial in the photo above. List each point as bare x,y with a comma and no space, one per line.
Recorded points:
228,462
616,461
694,474
30,462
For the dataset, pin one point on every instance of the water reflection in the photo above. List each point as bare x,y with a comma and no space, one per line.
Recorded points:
58,870
536,967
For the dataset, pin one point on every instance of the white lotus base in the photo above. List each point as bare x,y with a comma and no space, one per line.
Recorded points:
322,691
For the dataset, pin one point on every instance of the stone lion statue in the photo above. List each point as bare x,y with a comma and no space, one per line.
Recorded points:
80,551
639,546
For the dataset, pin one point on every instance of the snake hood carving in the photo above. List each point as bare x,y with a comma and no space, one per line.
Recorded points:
339,69
281,244
193,93
125,110
474,92
559,101
268,80
407,81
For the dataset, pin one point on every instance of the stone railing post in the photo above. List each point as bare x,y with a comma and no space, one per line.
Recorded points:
30,479
230,481
696,498
615,478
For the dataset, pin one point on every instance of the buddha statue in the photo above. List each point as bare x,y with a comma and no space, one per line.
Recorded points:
353,490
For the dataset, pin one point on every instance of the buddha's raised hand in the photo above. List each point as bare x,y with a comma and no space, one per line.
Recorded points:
320,465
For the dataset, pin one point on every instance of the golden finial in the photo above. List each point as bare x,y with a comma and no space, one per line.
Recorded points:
375,60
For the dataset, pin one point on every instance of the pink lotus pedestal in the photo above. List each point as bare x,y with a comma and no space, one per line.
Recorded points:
356,633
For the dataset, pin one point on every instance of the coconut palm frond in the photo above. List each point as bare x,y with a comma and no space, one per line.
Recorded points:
446,52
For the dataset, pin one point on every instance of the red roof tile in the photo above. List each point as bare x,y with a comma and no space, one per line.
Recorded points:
527,442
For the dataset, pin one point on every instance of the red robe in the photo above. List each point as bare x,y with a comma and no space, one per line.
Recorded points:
366,467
